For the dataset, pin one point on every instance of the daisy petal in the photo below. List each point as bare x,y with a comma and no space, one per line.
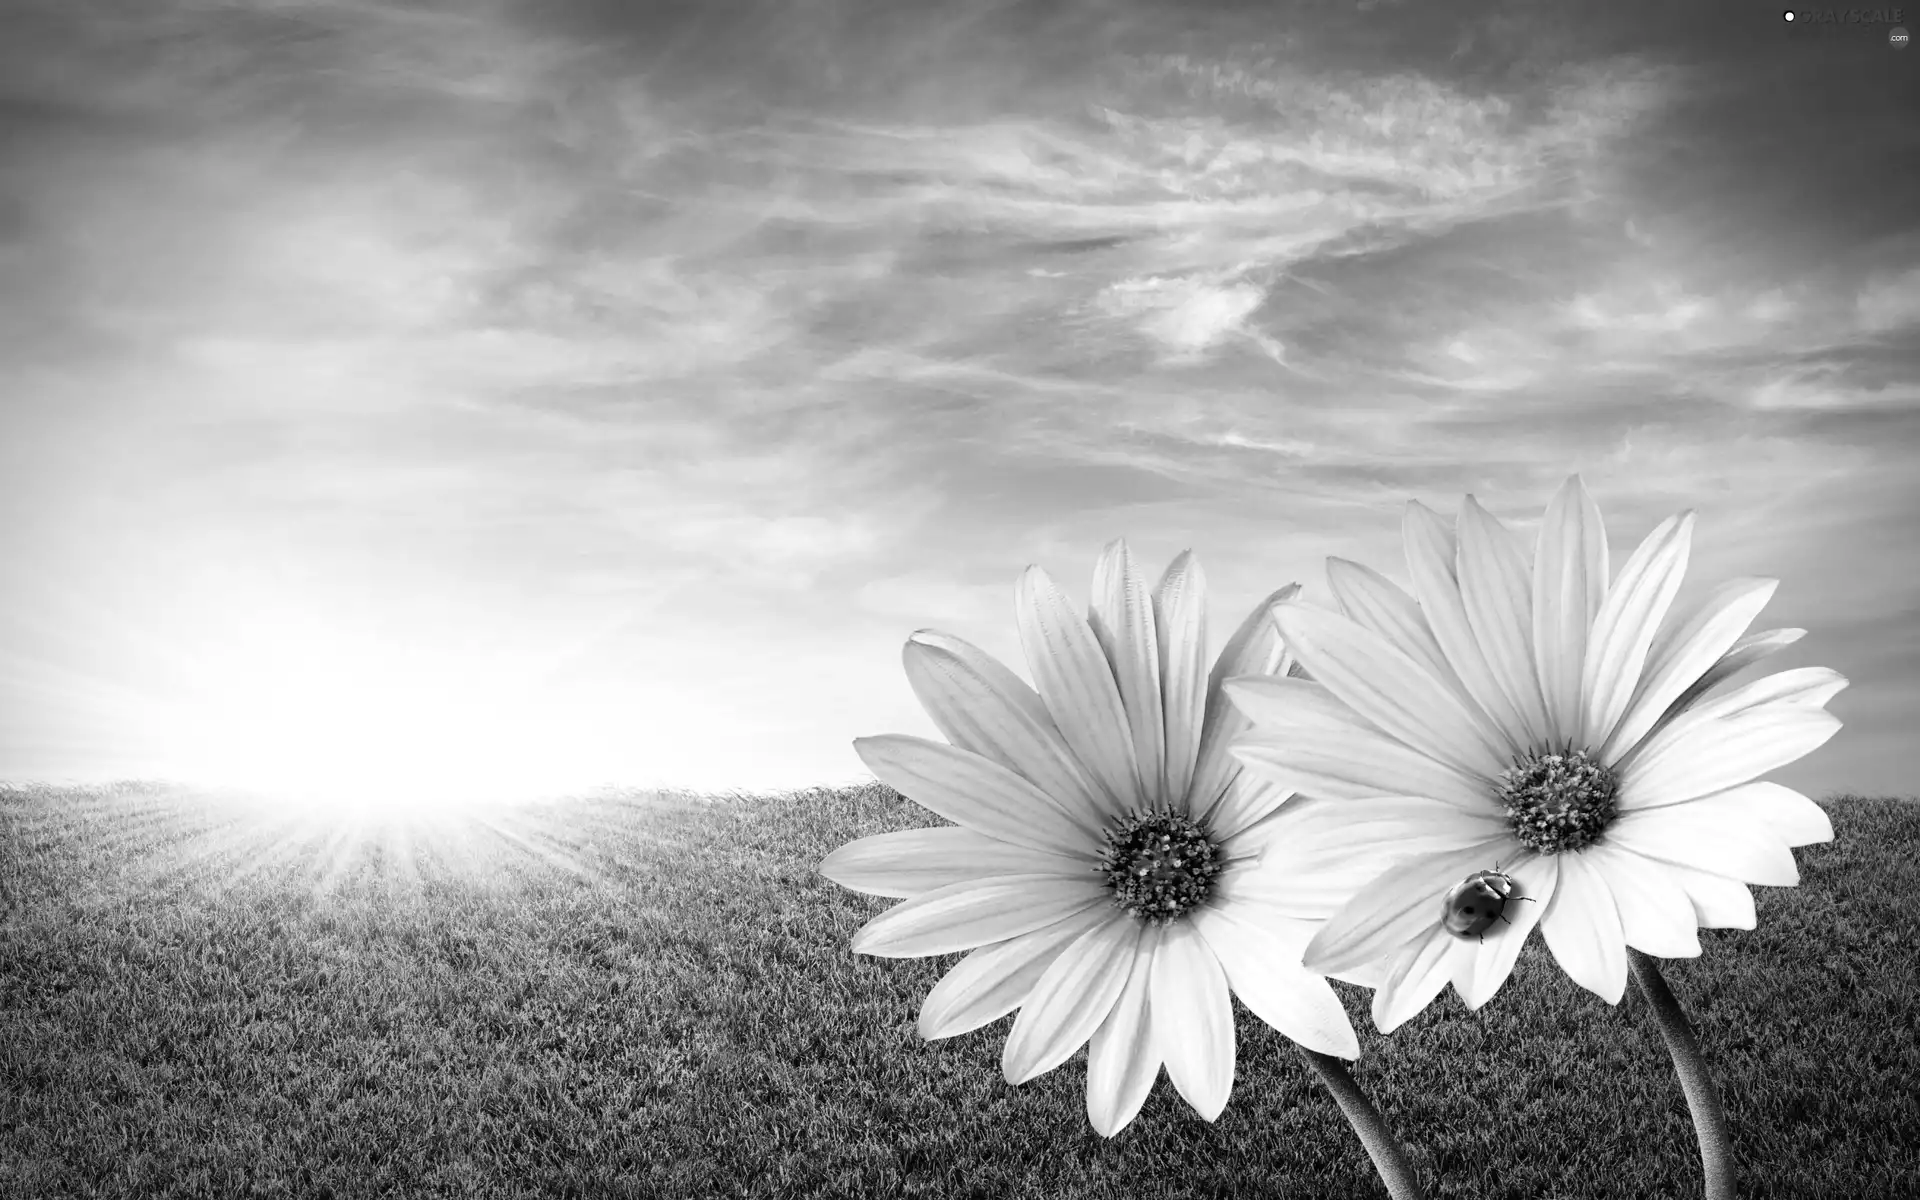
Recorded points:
1370,975
962,916
1073,676
1627,622
1254,649
994,980
1419,971
1193,1019
910,862
1329,770
1400,904
1265,972
1582,928
1386,688
1684,653
1121,618
1306,870
1371,601
1248,843
1687,760
1801,687
1071,1000
979,705
1122,1059
993,678
1798,820
1718,902
1433,557
1497,595
1294,706
973,791
1388,826
1344,759
1747,651
1708,835
1489,964
1569,583
1300,880
1180,614
1655,915
1249,801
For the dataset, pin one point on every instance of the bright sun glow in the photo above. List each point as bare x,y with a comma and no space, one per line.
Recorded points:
297,713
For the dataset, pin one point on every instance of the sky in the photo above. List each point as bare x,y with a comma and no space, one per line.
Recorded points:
450,397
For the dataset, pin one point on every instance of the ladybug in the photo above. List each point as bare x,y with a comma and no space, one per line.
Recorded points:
1476,902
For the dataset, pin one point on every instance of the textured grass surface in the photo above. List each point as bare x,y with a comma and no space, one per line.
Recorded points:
650,996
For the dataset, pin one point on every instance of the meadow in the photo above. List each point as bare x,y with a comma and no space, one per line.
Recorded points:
653,996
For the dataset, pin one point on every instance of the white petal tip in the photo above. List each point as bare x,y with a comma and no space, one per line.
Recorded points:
1347,1047
1319,963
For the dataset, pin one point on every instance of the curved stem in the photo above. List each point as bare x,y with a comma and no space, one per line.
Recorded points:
1388,1158
1703,1100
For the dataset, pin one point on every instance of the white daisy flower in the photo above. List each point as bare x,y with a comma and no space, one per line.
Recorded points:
1106,866
1559,734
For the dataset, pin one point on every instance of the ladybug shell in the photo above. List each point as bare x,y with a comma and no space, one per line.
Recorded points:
1476,902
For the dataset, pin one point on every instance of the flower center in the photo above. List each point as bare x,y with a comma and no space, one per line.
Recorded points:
1160,866
1558,802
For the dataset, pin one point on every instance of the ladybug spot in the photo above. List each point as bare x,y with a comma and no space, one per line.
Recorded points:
1468,910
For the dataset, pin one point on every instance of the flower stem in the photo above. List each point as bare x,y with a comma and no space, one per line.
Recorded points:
1388,1158
1703,1101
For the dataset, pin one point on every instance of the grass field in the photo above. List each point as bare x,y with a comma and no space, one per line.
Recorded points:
654,996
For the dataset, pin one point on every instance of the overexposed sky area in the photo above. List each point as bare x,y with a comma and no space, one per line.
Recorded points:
477,395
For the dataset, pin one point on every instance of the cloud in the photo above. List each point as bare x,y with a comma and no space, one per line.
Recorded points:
933,600
1826,389
1189,317
795,546
1890,301
720,326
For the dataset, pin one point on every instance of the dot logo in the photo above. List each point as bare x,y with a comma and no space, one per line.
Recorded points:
1847,22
